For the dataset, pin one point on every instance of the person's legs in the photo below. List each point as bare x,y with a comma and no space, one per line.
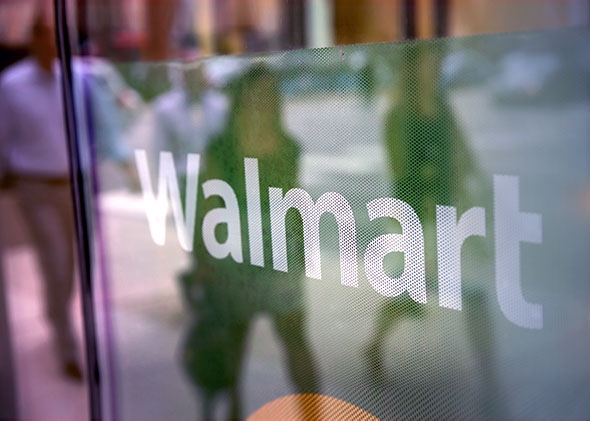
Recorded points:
239,334
480,332
300,361
212,357
47,210
388,318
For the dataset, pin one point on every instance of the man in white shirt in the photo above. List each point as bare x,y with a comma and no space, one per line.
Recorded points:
33,143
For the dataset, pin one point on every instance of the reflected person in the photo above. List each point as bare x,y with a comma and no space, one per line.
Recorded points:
188,117
33,139
431,165
110,107
225,295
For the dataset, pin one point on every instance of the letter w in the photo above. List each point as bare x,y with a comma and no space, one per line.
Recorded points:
156,208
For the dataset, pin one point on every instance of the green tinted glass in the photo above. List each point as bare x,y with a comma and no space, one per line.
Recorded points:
399,227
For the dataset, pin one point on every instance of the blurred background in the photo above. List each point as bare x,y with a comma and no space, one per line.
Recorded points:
184,28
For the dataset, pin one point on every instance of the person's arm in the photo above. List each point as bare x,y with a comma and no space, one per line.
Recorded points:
108,131
215,107
163,138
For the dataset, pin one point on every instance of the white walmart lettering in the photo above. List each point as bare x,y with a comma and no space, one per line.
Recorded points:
511,227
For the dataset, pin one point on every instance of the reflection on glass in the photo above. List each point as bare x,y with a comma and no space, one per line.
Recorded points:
426,126
449,131
110,106
433,169
188,116
225,295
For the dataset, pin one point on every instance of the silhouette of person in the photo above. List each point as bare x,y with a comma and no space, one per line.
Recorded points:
109,106
188,117
431,165
420,135
226,295
33,138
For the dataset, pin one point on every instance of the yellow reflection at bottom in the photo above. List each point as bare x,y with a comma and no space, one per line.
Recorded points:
310,406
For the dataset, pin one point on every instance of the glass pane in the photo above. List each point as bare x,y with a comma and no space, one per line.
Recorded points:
284,209
398,227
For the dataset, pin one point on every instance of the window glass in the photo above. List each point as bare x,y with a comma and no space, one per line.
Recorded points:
322,208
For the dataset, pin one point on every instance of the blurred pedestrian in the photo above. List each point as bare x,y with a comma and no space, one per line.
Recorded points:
225,295
33,141
189,116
